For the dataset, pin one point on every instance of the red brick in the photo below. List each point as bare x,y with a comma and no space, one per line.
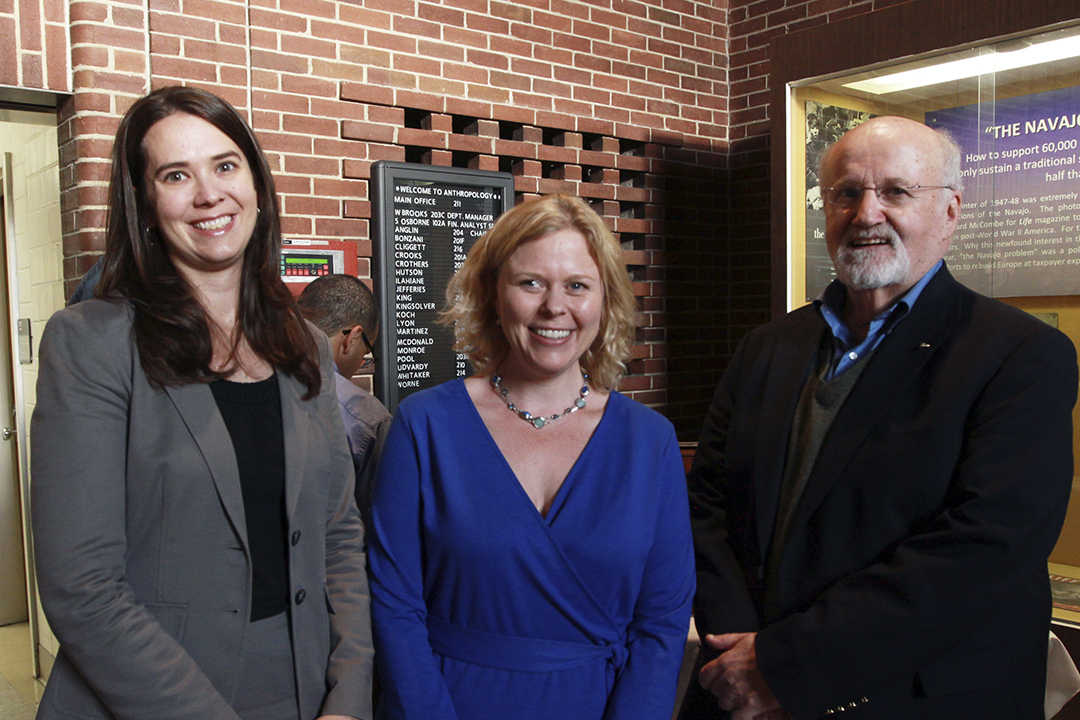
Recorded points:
554,154
440,50
440,14
569,8
365,92
351,130
295,205
284,22
392,41
596,63
304,47
553,55
487,24
392,116
464,37
512,81
586,29
350,14
264,39
509,148
531,34
440,157
285,143
339,228
30,22
470,143
573,76
646,59
295,227
190,70
280,62
128,17
438,122
383,76
391,6
629,70
610,19
629,39
571,42
510,46
441,86
418,65
86,11
484,162
57,57
549,186
679,36
421,101
355,169
227,12
414,26
334,187
554,89
591,95
510,11
354,209
215,52
386,152
84,33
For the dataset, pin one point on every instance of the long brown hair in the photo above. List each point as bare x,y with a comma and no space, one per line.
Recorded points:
172,330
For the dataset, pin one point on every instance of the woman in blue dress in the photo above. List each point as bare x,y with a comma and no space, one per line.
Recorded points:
530,553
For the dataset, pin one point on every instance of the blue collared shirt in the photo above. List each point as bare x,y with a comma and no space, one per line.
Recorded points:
830,304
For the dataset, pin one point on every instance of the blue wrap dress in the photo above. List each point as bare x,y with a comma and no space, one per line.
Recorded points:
482,608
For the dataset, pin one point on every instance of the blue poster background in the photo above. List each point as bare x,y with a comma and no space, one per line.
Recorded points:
1019,231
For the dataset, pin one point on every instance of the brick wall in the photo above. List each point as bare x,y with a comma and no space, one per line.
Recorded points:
623,102
655,110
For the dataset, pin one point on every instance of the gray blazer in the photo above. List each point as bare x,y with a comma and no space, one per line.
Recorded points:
141,545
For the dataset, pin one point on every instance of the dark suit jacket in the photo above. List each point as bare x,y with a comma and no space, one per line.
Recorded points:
140,538
916,562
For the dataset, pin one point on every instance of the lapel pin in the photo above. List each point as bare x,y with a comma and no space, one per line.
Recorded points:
922,345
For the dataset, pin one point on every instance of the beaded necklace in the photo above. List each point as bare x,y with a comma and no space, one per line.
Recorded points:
539,422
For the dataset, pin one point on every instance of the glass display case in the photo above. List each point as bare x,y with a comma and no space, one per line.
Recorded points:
1014,108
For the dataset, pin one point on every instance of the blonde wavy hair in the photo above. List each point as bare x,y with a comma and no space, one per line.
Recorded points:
471,294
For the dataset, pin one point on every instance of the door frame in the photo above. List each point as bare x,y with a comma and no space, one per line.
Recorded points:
11,269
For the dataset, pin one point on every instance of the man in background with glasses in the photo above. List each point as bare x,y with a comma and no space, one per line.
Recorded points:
883,473
343,307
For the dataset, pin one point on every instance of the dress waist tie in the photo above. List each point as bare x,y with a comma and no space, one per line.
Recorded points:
523,654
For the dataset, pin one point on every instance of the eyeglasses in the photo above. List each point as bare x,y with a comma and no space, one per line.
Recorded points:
893,196
368,362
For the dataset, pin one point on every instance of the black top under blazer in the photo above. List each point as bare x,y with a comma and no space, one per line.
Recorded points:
142,556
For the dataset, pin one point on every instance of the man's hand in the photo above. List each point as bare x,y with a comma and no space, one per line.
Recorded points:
736,682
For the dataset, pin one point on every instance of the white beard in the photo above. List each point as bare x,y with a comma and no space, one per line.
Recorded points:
861,269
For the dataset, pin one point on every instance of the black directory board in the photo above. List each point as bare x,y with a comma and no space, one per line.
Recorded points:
424,220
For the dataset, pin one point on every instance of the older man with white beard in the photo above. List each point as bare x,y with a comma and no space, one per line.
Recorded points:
883,473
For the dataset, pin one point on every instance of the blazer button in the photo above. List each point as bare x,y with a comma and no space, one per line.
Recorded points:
295,537
300,595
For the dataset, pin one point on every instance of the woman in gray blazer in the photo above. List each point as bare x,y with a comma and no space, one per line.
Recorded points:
198,546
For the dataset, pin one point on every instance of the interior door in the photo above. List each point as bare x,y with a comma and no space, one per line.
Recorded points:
13,594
